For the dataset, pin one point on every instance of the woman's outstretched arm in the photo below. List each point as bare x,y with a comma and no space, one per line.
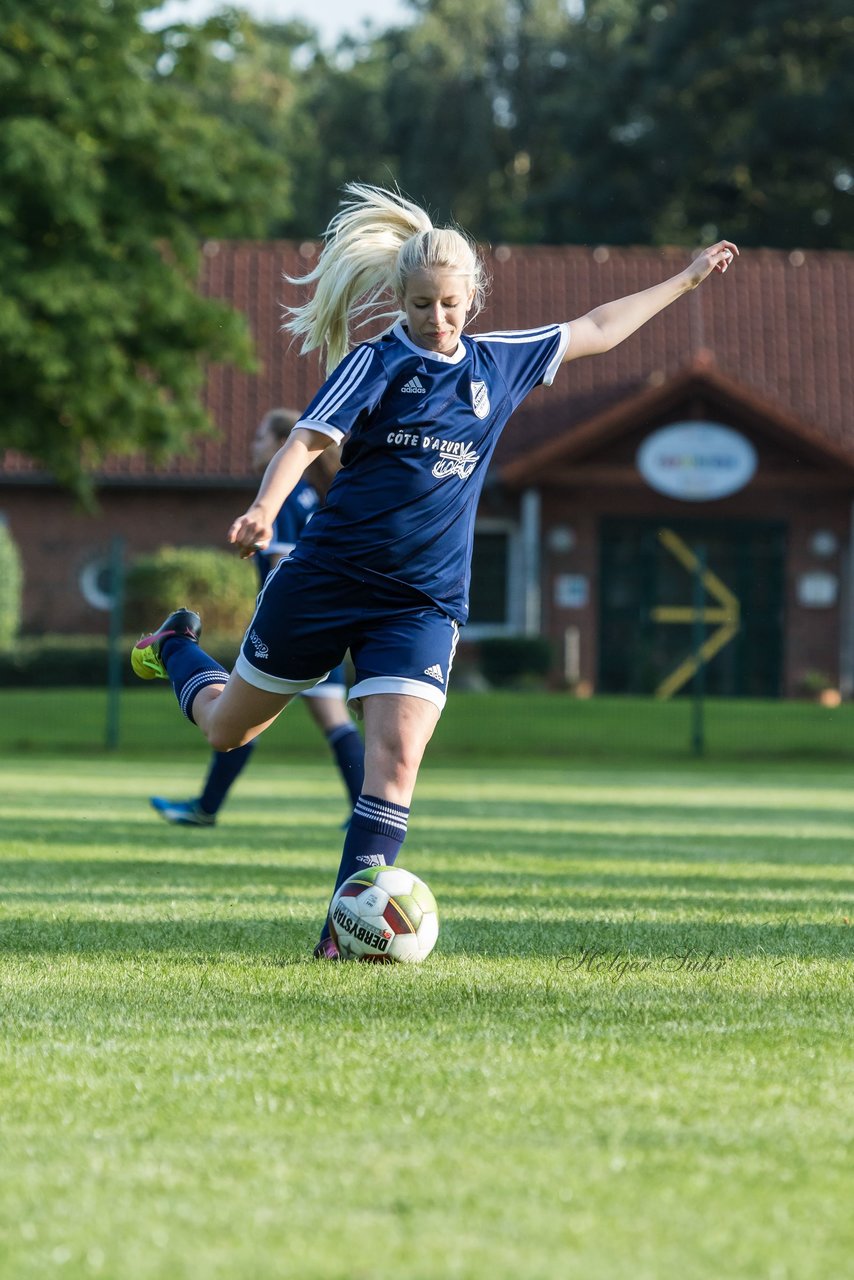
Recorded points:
253,530
607,326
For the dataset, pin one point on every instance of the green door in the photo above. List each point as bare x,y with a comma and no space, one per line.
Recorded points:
640,576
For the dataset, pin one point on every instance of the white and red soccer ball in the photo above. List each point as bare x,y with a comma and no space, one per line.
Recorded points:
384,914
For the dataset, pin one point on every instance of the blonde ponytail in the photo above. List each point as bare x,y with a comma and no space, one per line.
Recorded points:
374,243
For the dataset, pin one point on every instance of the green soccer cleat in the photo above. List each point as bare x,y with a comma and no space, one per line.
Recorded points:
145,654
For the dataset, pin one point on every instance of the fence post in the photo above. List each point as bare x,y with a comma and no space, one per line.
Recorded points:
114,655
698,735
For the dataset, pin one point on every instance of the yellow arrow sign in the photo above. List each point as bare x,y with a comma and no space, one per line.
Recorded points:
728,614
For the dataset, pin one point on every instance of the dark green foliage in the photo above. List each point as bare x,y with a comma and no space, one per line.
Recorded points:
446,108
218,585
515,660
693,121
11,579
619,121
56,662
108,179
81,662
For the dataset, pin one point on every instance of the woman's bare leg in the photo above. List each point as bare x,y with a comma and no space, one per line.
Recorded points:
232,714
397,730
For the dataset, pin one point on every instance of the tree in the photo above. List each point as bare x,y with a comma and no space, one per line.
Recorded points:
684,121
620,121
440,106
250,75
108,179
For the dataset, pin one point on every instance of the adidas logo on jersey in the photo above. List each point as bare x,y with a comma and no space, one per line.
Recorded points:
434,672
414,387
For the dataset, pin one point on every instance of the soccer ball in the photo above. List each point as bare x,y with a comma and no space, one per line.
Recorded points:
384,914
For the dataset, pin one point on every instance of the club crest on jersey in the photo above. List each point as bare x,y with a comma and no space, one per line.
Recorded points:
455,460
480,399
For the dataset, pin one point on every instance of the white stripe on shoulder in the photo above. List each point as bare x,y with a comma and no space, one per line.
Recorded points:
518,335
342,386
557,359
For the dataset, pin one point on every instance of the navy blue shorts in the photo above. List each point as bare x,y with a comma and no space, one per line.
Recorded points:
308,616
334,686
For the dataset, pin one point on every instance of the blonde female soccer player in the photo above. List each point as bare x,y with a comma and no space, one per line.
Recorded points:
384,568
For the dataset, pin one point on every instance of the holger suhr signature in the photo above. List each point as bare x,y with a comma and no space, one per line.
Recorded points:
616,964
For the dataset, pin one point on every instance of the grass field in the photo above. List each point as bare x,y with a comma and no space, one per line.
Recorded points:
629,1056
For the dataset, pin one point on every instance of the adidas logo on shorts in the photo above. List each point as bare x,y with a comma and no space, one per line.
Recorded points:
435,672
414,387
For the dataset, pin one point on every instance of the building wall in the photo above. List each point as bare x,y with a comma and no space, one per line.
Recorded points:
813,636
57,541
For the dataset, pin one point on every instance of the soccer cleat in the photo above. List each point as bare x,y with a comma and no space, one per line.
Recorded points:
185,813
326,950
145,654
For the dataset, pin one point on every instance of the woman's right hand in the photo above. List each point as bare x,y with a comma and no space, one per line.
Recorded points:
251,532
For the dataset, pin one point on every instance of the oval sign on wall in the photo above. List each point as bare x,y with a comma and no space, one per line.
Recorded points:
696,461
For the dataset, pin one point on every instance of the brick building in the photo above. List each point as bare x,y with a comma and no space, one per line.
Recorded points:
694,486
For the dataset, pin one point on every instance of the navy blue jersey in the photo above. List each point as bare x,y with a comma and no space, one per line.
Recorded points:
420,432
296,511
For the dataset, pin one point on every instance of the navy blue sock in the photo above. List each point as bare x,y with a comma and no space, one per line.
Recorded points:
374,837
376,832
190,669
224,770
349,751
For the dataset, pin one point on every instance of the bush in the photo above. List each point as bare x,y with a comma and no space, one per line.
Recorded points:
10,587
515,660
56,662
218,585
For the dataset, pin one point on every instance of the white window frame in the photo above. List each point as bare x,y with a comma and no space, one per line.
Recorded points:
514,623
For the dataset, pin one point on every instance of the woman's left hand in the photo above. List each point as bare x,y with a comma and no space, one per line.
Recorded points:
716,258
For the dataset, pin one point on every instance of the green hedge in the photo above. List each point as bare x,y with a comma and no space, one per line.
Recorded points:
10,587
515,661
218,584
76,661
82,661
